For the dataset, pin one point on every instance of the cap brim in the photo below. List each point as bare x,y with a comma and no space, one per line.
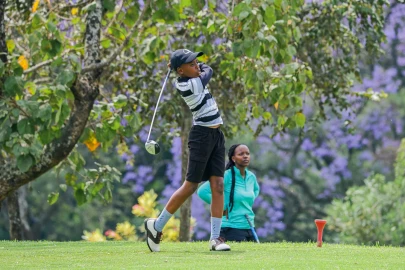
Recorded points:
193,56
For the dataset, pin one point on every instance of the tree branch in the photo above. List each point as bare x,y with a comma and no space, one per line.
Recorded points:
79,4
31,69
43,80
115,17
25,51
47,62
120,48
92,38
14,103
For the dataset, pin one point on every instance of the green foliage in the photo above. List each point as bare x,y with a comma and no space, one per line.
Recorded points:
262,62
38,99
339,35
53,209
35,112
53,198
94,182
373,213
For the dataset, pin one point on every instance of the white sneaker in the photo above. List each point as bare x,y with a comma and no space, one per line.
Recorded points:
153,237
218,244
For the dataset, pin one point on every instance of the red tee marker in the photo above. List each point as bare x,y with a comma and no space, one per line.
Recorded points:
320,224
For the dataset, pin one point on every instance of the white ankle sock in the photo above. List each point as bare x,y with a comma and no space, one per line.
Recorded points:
215,227
162,220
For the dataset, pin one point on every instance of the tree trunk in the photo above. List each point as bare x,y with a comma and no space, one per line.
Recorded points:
185,210
16,229
22,201
3,44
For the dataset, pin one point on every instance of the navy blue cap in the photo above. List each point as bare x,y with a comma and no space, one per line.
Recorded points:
183,56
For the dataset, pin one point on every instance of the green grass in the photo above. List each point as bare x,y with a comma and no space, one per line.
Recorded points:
195,255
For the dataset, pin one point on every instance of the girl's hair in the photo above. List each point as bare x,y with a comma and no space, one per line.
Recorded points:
231,165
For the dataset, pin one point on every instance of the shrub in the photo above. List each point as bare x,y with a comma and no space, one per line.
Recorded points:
373,213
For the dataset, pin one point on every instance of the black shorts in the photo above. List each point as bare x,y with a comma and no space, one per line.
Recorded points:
206,153
238,235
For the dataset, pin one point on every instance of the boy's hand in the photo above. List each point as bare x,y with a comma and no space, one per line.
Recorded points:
169,65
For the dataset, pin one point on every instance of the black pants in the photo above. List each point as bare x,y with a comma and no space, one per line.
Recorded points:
238,235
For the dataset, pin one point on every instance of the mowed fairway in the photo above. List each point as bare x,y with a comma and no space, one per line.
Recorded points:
195,255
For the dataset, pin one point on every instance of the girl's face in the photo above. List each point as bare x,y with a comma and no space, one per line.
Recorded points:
190,70
241,156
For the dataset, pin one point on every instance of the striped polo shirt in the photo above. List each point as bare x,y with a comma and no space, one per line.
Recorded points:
195,93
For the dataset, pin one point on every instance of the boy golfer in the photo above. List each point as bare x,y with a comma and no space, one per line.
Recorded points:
206,145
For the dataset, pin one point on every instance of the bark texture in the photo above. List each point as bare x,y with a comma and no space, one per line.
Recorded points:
16,230
3,45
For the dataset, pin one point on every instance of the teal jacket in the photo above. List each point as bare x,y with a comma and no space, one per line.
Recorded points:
246,191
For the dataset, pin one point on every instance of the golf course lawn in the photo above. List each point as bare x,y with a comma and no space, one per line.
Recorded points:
196,255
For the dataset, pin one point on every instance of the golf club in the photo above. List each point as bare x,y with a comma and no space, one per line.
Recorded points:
252,229
151,146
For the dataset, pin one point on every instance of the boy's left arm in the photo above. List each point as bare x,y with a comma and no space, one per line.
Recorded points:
206,73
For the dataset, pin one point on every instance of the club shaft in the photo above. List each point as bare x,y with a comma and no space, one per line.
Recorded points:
157,104
252,229
255,235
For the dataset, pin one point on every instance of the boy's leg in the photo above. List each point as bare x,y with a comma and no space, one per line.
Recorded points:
217,243
215,168
154,227
175,201
217,205
200,145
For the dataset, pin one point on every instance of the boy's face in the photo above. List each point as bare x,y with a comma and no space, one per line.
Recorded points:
190,70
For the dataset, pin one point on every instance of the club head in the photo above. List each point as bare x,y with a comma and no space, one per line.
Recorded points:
152,147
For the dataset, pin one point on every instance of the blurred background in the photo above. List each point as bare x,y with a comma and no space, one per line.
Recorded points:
342,169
